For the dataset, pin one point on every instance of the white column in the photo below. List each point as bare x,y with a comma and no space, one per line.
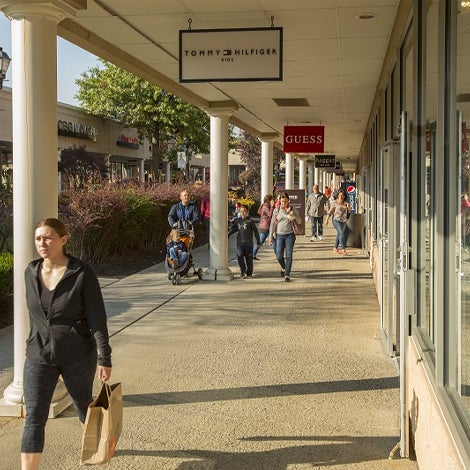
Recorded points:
267,159
302,173
289,171
316,176
218,269
310,177
35,177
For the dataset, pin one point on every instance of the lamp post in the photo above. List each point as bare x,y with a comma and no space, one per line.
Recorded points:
4,64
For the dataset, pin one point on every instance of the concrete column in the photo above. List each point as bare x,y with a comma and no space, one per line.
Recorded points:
302,173
35,176
267,159
310,173
218,269
289,171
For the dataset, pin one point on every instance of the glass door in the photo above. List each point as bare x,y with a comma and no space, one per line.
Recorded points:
389,241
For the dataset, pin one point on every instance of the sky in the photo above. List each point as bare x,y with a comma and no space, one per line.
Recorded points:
71,62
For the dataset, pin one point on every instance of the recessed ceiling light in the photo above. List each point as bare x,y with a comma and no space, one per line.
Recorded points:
366,16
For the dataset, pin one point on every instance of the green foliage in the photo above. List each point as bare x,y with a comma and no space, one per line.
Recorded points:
163,118
6,276
6,218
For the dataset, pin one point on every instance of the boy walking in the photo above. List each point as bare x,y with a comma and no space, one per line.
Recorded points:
246,229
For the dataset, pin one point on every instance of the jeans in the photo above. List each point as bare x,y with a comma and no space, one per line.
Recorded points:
245,259
317,226
262,238
341,232
285,242
181,257
40,381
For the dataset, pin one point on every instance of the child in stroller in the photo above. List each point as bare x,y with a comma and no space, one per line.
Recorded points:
179,259
176,249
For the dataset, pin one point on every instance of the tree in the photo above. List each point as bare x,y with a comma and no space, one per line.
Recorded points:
250,155
163,118
81,168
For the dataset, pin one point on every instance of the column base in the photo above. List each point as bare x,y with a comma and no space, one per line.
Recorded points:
12,404
211,274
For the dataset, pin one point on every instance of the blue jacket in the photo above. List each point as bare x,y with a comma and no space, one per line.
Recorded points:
180,212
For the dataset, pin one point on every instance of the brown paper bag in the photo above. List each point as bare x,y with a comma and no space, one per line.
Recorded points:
103,425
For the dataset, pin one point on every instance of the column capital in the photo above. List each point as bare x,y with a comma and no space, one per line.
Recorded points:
55,10
221,108
268,136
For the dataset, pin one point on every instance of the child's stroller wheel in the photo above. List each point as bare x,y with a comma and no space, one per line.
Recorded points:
199,274
169,276
178,278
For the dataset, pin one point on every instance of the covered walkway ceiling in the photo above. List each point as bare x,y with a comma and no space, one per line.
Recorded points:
332,59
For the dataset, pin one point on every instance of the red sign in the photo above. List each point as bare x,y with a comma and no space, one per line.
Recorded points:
304,139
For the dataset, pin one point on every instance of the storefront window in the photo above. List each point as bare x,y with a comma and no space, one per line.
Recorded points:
429,64
463,225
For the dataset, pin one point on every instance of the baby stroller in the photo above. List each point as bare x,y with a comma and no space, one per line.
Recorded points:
175,271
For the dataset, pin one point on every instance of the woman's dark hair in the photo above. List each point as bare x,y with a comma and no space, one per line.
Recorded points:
343,193
285,196
54,224
268,198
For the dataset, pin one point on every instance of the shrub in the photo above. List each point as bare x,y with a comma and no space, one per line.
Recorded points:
6,282
115,220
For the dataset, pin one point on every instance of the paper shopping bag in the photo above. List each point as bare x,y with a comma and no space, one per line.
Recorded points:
103,425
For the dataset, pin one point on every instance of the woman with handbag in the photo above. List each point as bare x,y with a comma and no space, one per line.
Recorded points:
340,210
68,334
282,230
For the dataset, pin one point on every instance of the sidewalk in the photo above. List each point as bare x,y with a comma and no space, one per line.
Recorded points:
253,374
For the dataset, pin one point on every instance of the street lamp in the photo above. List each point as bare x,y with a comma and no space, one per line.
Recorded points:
4,64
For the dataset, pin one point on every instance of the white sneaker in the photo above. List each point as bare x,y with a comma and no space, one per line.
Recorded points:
313,239
320,238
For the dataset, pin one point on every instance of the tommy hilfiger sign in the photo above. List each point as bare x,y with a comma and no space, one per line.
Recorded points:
230,55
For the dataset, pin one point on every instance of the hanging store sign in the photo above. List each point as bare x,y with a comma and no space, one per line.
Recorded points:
230,55
325,161
304,139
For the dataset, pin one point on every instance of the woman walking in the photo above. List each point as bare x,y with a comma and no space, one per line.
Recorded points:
265,212
339,211
68,334
282,231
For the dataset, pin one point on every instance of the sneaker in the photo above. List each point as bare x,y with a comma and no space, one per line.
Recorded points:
256,258
242,275
287,279
320,237
283,273
313,239
248,276
335,250
344,252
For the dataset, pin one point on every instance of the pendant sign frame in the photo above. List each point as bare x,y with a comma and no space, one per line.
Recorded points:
230,55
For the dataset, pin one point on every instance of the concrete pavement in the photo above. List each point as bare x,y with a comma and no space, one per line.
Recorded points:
254,374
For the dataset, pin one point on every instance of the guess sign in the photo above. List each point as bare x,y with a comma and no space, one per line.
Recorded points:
304,139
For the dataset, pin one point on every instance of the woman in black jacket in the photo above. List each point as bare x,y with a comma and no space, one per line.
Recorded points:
68,334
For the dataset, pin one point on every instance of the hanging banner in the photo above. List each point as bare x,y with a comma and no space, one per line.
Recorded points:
325,161
230,55
304,139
